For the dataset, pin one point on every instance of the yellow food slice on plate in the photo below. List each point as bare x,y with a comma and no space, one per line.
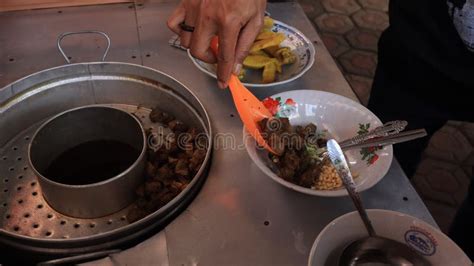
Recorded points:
272,50
241,75
267,22
259,52
285,55
265,35
273,41
277,64
269,72
257,61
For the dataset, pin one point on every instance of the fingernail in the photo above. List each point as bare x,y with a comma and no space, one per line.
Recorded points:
221,84
237,68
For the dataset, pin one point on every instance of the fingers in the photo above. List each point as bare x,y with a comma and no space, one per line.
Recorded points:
200,42
184,12
177,17
228,36
246,38
186,36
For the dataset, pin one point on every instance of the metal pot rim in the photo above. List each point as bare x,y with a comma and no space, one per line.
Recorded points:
208,127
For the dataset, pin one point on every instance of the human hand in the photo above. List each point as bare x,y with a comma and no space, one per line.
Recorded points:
235,22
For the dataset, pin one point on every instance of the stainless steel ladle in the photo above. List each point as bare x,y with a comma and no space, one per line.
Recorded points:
371,250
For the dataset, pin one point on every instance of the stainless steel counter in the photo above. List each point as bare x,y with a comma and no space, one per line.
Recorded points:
240,217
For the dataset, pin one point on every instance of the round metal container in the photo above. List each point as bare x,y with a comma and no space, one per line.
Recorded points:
84,196
27,222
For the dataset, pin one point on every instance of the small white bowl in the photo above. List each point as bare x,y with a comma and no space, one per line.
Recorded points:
341,117
295,40
428,241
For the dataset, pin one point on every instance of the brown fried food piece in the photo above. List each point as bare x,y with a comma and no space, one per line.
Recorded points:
275,125
275,142
279,134
310,130
160,157
322,142
294,163
192,133
294,141
262,124
150,170
169,169
287,174
158,116
309,176
164,172
152,186
291,160
181,167
177,126
196,159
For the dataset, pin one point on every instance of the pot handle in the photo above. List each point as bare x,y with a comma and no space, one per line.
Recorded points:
79,258
62,35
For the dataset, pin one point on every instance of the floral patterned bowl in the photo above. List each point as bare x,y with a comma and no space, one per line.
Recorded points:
295,40
336,117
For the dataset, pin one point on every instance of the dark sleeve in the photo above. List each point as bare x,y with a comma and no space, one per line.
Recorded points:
424,29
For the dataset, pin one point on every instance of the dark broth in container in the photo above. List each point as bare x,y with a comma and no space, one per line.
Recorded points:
91,162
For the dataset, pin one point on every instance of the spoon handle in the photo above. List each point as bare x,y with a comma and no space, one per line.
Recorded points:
337,158
388,140
389,128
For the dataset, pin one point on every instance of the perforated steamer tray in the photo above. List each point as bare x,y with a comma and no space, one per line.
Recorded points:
26,220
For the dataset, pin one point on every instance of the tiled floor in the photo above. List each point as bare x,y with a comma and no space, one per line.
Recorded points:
443,176
350,29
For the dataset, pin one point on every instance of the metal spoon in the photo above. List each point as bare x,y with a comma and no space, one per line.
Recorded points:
372,250
388,129
390,139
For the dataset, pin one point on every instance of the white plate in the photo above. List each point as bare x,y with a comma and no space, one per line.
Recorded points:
341,117
435,246
295,40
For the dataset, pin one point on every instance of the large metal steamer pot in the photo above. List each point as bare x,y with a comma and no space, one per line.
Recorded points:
28,102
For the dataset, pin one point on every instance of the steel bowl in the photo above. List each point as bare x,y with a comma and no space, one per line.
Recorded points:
83,196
